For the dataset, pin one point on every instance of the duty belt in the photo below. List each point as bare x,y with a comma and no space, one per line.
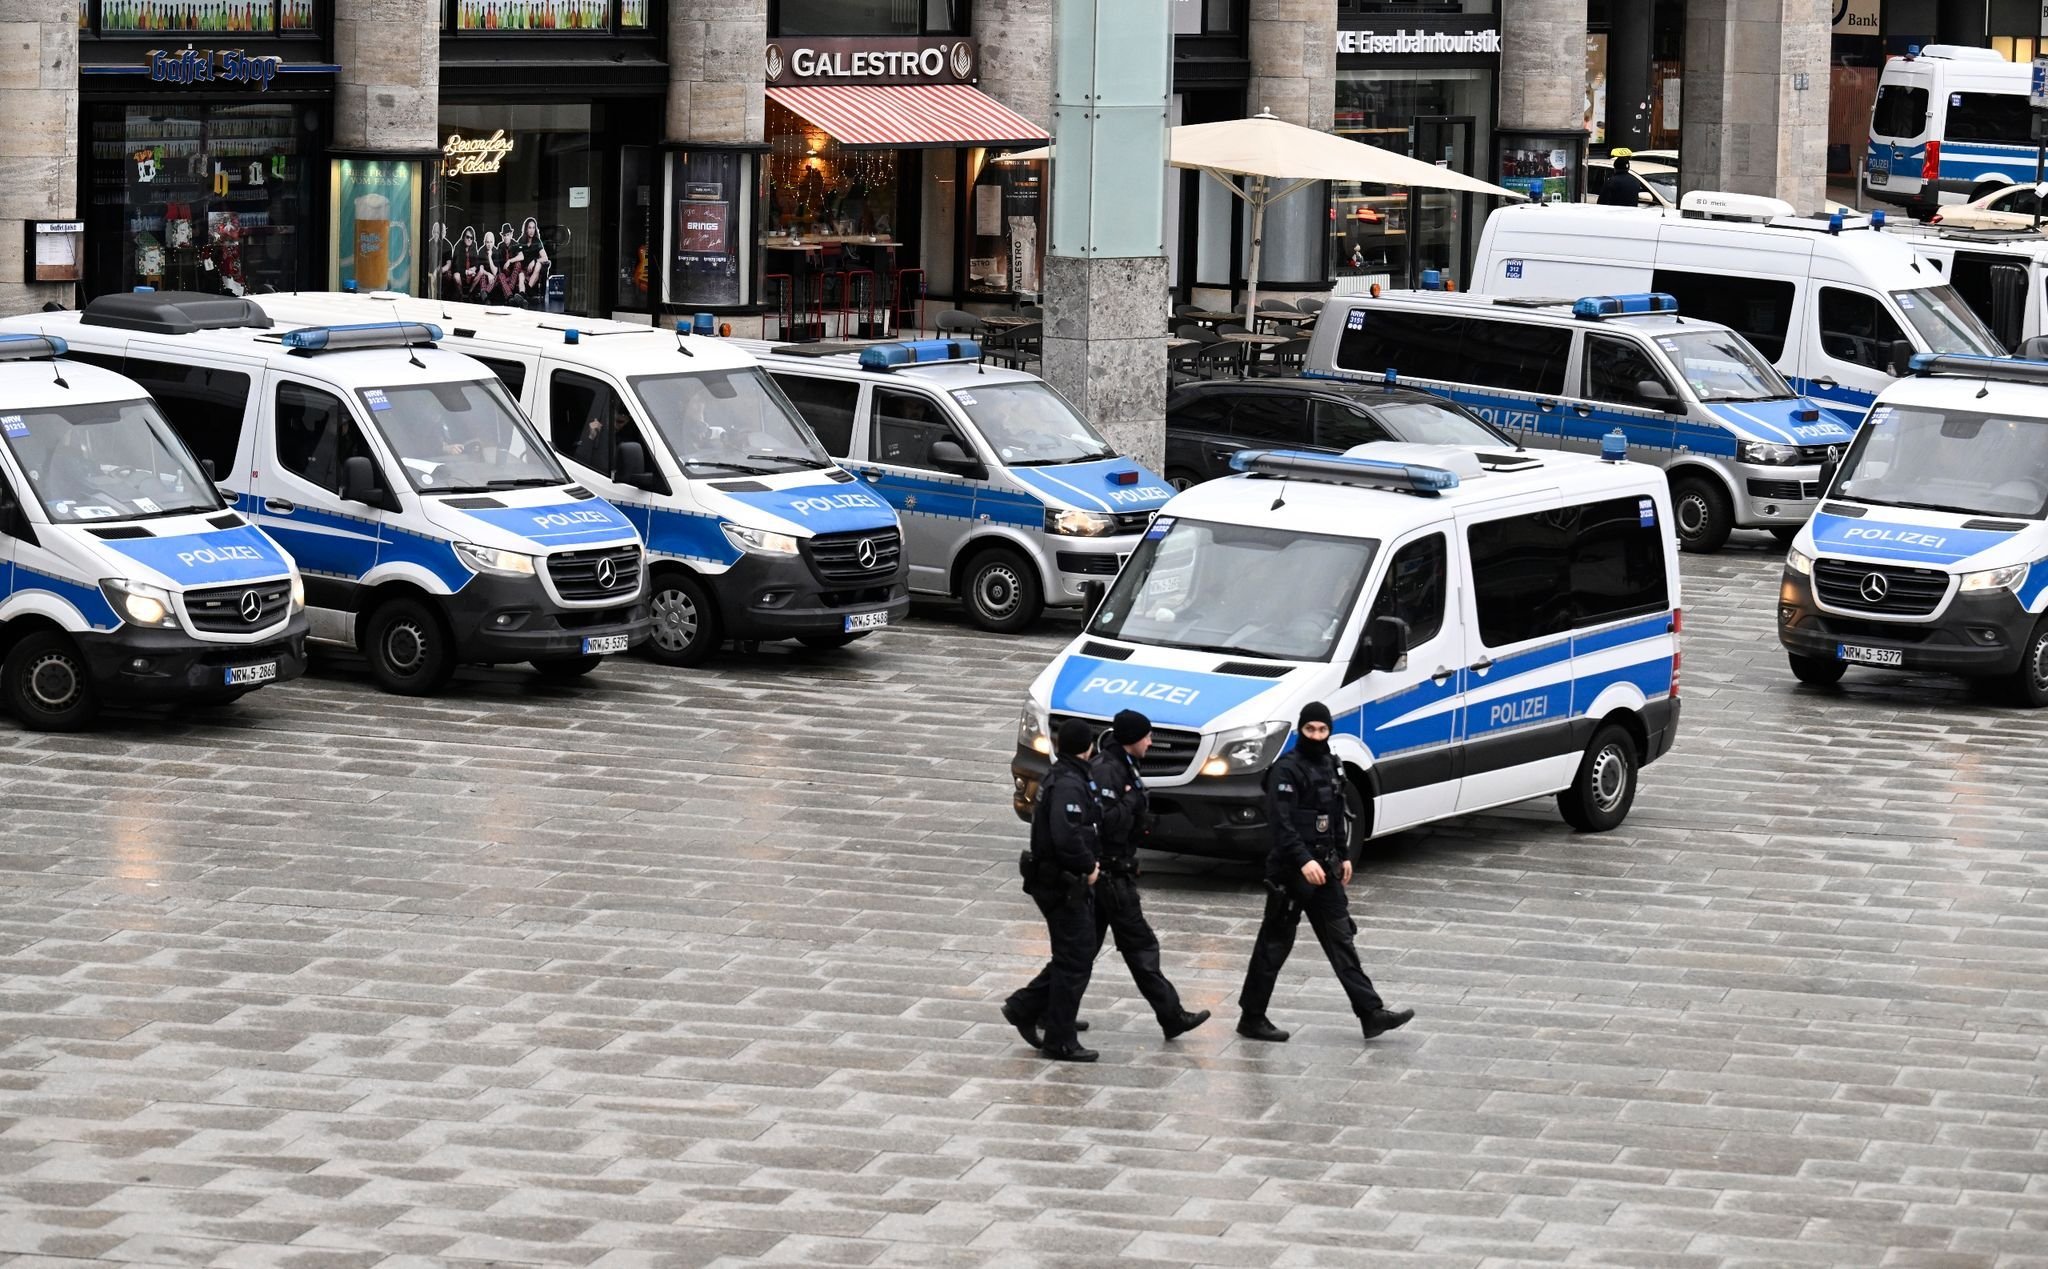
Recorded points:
1120,867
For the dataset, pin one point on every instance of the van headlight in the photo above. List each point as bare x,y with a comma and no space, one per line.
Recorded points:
1031,731
1243,750
1797,561
1995,578
140,604
759,541
1079,524
298,593
1768,454
489,559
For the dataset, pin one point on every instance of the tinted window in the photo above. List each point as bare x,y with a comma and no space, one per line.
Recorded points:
1616,367
828,405
510,373
1855,328
1518,356
588,420
1414,588
1339,426
1900,111
1203,414
2021,201
316,435
906,426
1269,416
2000,118
204,407
1759,309
1552,571
1418,345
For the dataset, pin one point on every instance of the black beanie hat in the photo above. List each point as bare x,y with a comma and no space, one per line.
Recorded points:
1130,727
1313,712
1076,738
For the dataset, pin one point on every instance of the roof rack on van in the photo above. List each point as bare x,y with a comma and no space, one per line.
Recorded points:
1973,366
31,347
173,312
1334,469
308,340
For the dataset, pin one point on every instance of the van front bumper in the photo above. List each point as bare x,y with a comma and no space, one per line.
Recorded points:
1079,561
780,597
1982,634
1222,817
1775,497
498,620
138,665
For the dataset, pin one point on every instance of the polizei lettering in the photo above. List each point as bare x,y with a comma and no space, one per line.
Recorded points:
1870,533
1149,494
1528,709
827,503
218,555
1139,690
570,519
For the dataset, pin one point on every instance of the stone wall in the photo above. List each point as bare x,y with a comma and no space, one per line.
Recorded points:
715,90
388,94
1016,55
39,137
1294,61
1756,98
1543,65
1105,347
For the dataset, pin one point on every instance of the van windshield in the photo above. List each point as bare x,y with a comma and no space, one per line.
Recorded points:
461,437
1030,425
1949,460
1945,323
110,460
729,420
1721,366
1236,590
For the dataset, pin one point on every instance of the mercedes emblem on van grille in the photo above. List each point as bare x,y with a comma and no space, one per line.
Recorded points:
1874,588
607,574
252,607
864,553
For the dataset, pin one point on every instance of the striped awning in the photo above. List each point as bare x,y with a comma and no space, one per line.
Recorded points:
908,116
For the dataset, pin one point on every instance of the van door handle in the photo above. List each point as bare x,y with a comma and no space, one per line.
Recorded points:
872,477
279,506
1826,381
1442,673
1546,406
1482,664
1583,411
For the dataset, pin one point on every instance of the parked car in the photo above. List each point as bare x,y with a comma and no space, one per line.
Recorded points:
1659,180
2007,207
1207,423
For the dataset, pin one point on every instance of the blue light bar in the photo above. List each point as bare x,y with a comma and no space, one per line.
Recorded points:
1339,469
361,335
1877,218
1594,307
24,347
1614,447
918,352
2009,369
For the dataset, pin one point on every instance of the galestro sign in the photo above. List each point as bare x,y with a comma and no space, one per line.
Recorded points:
906,59
211,66
475,156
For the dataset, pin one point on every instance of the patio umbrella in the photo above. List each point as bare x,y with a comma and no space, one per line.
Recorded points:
1281,158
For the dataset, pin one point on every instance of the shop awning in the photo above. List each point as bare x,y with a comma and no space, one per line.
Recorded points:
908,116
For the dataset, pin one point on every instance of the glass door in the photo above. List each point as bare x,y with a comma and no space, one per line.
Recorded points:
1438,219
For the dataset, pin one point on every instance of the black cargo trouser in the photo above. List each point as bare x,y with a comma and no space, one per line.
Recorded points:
1329,915
1118,912
1053,998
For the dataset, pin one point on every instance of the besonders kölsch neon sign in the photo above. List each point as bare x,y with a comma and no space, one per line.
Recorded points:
475,156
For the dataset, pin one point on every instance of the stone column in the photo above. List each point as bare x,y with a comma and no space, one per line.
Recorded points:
1543,66
1294,75
1016,55
716,77
1755,113
387,98
39,144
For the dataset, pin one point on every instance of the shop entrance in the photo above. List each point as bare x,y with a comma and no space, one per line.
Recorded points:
1438,218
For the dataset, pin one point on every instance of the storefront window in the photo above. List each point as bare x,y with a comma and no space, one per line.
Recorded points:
530,16
208,198
517,203
1386,235
868,17
373,217
710,196
121,17
1004,251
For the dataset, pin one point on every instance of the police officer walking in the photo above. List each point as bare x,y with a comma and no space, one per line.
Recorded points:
1307,868
1126,822
1060,871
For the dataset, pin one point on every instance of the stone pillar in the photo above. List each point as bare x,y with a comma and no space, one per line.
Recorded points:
1543,66
1294,75
1016,55
1755,116
387,97
1628,73
716,78
39,144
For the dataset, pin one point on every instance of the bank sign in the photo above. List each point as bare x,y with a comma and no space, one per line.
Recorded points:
906,59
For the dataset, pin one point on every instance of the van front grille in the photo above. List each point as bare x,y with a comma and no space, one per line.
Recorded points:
241,609
1880,588
585,577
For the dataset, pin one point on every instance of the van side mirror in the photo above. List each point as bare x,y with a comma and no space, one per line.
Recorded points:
1387,637
1653,392
2035,349
1827,474
1902,358
948,456
359,482
1092,595
633,469
212,476
13,517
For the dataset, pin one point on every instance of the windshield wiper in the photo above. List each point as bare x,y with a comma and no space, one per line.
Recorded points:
747,468
523,482
797,462
460,489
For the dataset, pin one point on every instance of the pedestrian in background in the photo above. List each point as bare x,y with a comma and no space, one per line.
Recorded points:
1060,871
1307,868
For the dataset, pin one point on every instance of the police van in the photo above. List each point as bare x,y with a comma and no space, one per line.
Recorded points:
1949,124
753,533
1485,628
1930,551
1831,301
432,526
1742,448
124,576
1008,498
2002,274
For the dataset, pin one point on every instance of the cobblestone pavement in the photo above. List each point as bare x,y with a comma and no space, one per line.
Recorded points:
699,967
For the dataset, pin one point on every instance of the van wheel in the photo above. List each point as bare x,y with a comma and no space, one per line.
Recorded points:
2028,686
686,626
1182,478
563,669
45,684
1817,671
1001,592
409,650
1700,507
1605,786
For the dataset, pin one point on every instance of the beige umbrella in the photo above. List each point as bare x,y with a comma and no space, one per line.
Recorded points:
1271,150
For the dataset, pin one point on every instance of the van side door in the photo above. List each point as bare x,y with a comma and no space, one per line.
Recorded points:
1618,377
1849,350
13,523
935,505
305,436
1410,718
587,419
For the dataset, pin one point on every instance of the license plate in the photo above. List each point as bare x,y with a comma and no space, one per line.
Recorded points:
599,644
243,675
866,621
1878,176
1871,656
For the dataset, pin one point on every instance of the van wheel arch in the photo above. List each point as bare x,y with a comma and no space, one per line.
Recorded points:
956,575
1366,784
1631,722
16,629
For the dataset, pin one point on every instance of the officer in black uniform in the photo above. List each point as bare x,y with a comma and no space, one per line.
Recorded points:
1060,871
1126,822
1307,868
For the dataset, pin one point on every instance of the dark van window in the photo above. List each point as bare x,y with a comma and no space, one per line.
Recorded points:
1566,568
316,435
510,373
1999,118
1518,356
1855,328
204,407
588,421
828,405
1900,111
1759,308
1414,589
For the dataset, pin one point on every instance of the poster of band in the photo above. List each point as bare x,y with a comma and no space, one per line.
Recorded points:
502,264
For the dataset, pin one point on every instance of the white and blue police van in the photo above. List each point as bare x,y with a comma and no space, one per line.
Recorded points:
125,578
1484,627
753,532
1742,449
1930,550
1008,498
1835,302
1949,124
432,526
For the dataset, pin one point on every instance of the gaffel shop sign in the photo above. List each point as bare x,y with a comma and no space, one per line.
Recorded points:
907,59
